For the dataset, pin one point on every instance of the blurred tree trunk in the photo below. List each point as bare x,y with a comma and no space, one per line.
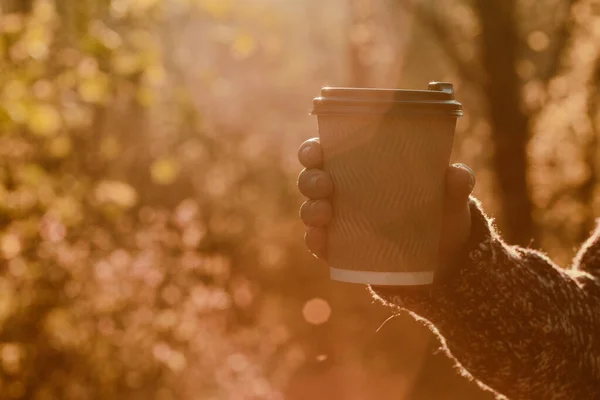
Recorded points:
501,86
494,72
509,122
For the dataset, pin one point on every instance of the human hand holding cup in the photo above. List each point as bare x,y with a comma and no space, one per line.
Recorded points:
386,153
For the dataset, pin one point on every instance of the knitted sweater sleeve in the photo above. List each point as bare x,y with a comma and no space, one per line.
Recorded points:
513,320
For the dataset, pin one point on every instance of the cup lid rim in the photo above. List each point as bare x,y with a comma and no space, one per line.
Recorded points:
437,100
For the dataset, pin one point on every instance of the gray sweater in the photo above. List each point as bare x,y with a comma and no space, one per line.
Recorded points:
513,320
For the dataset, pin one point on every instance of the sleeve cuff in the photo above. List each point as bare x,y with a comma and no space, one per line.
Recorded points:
423,300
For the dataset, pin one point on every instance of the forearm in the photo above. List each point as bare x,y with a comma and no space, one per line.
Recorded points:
511,318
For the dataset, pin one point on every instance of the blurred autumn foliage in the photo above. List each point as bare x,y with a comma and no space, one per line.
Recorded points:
123,215
148,217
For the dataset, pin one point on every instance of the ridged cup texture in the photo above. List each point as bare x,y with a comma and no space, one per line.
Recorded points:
389,177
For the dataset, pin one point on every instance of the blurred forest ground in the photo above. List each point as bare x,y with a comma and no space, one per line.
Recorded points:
148,217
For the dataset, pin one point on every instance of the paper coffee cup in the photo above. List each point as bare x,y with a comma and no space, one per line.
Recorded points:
387,152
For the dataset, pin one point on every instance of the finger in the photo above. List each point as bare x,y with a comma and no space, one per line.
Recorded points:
316,241
310,154
315,183
460,180
316,212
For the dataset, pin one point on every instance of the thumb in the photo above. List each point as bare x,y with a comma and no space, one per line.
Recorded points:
460,181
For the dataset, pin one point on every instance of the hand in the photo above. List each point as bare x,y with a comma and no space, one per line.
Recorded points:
317,212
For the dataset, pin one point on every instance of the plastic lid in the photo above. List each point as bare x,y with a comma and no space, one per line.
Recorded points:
438,100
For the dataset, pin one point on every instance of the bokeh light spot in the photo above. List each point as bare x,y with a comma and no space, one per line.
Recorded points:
164,171
538,41
44,120
316,311
11,355
119,193
10,245
243,46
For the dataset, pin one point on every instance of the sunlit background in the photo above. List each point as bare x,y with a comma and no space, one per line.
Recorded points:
149,236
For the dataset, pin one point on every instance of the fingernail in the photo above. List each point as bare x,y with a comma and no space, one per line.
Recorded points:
315,182
471,174
306,151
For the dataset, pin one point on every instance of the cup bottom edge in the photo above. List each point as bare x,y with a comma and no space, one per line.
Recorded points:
382,278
